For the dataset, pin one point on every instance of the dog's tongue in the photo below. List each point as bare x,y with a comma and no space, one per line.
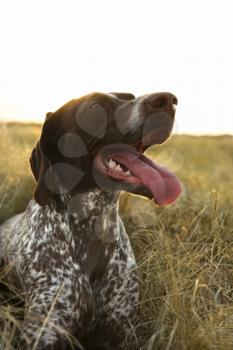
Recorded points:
163,185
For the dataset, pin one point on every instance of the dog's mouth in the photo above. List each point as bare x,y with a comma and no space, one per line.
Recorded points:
129,166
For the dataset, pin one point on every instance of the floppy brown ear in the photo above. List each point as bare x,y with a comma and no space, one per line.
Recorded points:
40,166
52,171
35,161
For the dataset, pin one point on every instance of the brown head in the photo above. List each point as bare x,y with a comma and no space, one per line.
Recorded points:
97,141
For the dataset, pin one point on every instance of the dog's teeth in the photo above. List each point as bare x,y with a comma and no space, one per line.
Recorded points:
118,167
114,165
111,163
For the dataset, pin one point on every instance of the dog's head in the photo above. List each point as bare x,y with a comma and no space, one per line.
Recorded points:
97,141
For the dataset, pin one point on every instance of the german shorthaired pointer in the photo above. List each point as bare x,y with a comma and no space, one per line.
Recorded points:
69,252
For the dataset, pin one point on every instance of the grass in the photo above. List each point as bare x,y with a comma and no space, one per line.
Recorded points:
184,252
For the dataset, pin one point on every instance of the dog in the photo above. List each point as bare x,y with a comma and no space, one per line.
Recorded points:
69,251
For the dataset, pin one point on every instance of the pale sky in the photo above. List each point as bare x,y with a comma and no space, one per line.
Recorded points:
53,51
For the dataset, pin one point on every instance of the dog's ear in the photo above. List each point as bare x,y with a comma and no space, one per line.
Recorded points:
43,194
123,95
40,164
35,161
51,161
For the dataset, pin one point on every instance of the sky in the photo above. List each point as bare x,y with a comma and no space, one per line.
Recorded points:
53,51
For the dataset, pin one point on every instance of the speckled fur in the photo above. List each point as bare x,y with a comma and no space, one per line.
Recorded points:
69,252
78,267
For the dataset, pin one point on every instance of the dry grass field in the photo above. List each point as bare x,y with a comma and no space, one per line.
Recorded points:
184,252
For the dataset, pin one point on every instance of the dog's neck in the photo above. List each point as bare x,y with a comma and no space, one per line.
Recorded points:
93,213
96,212
92,204
85,205
91,216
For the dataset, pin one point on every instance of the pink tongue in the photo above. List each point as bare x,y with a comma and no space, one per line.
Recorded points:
164,185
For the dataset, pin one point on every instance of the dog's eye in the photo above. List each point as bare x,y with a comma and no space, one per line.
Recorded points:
95,105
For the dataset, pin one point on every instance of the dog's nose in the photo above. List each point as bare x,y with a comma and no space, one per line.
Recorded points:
162,101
